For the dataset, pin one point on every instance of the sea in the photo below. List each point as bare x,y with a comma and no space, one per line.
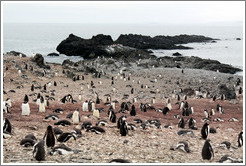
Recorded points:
43,38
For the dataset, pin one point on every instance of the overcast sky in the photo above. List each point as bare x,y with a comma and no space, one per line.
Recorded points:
159,12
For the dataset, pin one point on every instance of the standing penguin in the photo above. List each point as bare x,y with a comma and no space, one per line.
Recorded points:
207,151
32,87
133,111
120,121
123,128
96,113
7,126
41,107
49,137
97,100
25,108
112,116
55,84
181,123
205,131
76,117
240,139
85,106
39,151
132,90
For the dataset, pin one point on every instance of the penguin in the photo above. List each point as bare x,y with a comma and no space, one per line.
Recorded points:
132,90
206,113
52,117
62,150
233,120
39,151
214,98
123,128
131,127
26,142
229,159
192,123
112,116
7,126
178,98
32,87
182,145
207,151
63,123
225,144
181,123
31,136
96,113
113,105
181,105
191,110
212,112
205,131
86,124
97,100
76,117
57,131
240,139
64,137
45,87
49,137
137,121
186,105
41,107
133,111
165,110
102,123
25,108
96,129
77,132
119,161
120,121
221,110
85,106
58,110
240,91
55,84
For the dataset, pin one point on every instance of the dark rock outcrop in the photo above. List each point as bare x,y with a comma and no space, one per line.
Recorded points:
39,60
159,42
177,54
15,53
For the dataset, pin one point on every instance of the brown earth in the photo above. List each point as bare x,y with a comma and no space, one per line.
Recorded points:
140,146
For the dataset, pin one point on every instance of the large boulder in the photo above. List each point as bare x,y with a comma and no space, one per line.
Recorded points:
39,60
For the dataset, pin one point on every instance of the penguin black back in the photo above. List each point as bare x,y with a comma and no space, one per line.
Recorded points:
205,130
240,139
26,99
133,111
123,128
207,151
7,126
49,137
181,123
39,151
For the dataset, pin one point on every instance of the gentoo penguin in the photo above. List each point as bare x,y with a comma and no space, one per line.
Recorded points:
181,105
205,130
120,121
131,127
96,129
212,112
182,145
57,131
86,124
58,110
52,117
207,151
206,114
63,123
96,113
77,132
119,161
112,116
62,150
76,117
123,128
6,105
39,151
97,100
169,106
31,136
240,91
85,106
165,110
41,107
225,144
32,87
229,159
178,97
240,139
113,105
192,123
26,142
181,123
64,137
25,108
132,90
49,137
7,126
186,105
102,123
133,111
55,84
137,121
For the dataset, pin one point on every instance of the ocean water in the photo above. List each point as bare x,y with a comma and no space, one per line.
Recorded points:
32,38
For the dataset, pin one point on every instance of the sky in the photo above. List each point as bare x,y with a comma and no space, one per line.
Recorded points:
125,12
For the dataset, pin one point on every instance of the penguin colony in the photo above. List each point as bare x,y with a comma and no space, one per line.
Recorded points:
121,116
